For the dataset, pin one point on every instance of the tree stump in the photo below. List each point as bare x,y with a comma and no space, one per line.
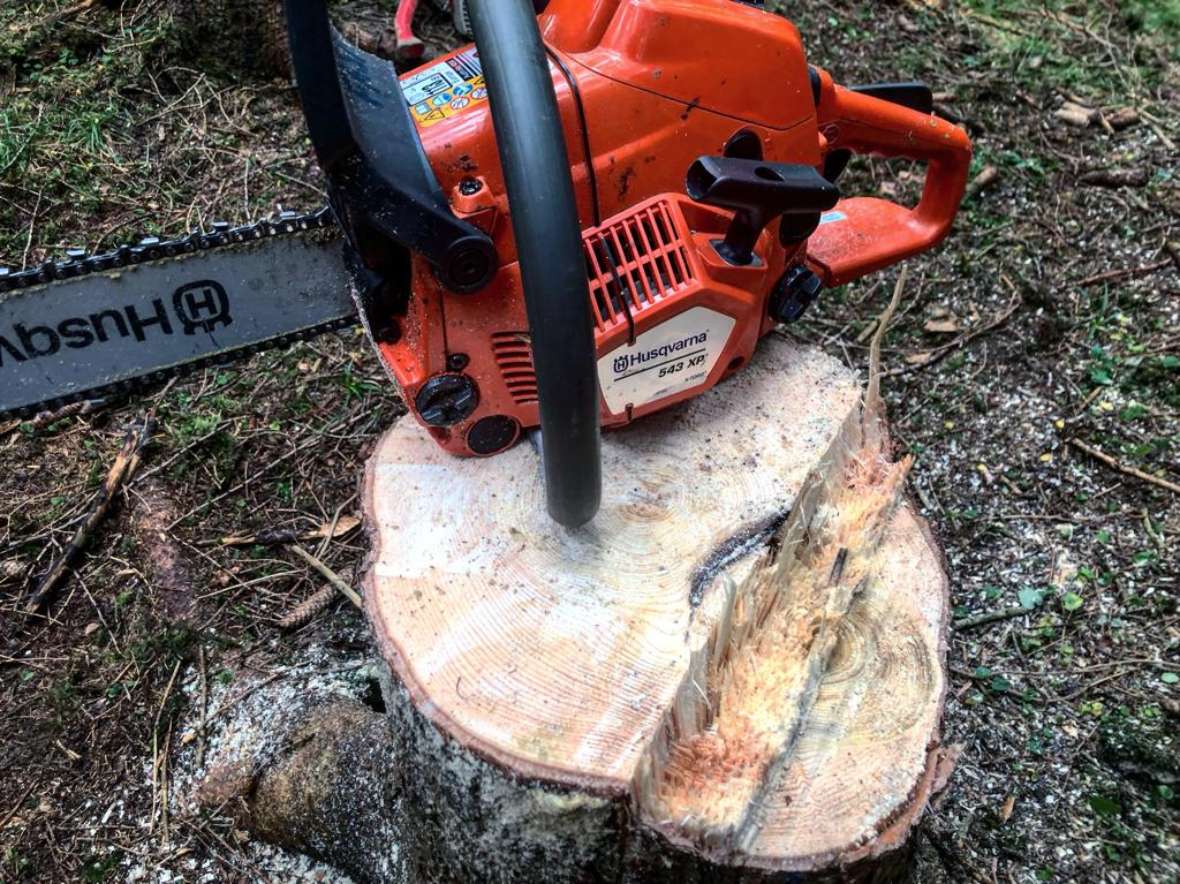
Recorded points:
736,672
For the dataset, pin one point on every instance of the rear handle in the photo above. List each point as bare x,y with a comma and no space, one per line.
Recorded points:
864,234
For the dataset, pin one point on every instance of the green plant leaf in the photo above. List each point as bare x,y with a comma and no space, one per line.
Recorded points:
1071,601
1030,597
1104,806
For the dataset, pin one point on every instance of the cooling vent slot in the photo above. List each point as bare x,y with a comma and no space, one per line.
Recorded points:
514,356
631,263
634,262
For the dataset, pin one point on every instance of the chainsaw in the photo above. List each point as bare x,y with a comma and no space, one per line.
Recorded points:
592,213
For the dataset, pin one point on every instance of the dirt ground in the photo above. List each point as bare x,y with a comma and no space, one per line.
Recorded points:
1034,372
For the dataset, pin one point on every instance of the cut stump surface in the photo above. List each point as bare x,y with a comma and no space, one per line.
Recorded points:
742,618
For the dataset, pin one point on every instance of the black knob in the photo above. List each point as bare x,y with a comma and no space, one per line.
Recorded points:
446,399
794,293
758,192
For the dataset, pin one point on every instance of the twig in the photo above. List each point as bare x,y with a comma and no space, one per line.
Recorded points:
995,23
204,710
1090,397
1123,468
24,261
8,816
939,353
266,468
158,761
68,12
331,576
990,617
1085,689
1156,125
43,419
124,467
1123,273
330,534
873,396
21,150
274,536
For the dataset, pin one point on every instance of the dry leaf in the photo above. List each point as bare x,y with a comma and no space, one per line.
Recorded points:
1006,810
90,629
344,525
921,357
948,326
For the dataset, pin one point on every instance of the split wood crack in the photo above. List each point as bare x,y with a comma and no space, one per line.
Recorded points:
734,722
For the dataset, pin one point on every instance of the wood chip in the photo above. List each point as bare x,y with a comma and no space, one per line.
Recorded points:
948,326
12,569
1007,808
1115,178
1076,115
987,176
168,567
1123,118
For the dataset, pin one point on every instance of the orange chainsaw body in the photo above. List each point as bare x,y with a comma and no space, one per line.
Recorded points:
644,87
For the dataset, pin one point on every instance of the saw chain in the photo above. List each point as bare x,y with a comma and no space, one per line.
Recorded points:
79,264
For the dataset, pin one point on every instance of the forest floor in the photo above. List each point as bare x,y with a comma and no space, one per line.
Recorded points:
1033,372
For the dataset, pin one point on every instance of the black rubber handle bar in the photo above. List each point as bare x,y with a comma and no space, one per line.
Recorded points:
545,221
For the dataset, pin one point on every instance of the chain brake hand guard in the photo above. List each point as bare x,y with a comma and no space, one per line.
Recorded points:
379,179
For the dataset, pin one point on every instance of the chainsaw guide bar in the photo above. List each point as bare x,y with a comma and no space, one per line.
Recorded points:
137,315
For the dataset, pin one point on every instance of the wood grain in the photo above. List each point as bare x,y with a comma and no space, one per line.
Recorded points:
562,656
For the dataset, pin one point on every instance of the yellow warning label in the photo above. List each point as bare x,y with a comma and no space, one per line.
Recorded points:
443,90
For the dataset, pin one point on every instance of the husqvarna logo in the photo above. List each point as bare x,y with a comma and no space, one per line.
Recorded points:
626,362
201,306
197,307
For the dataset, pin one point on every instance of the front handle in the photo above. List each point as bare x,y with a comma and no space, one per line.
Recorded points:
544,211
864,234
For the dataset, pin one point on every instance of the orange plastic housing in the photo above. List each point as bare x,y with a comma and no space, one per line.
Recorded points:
660,82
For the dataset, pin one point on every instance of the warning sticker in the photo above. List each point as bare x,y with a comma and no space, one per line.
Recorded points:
442,90
672,357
